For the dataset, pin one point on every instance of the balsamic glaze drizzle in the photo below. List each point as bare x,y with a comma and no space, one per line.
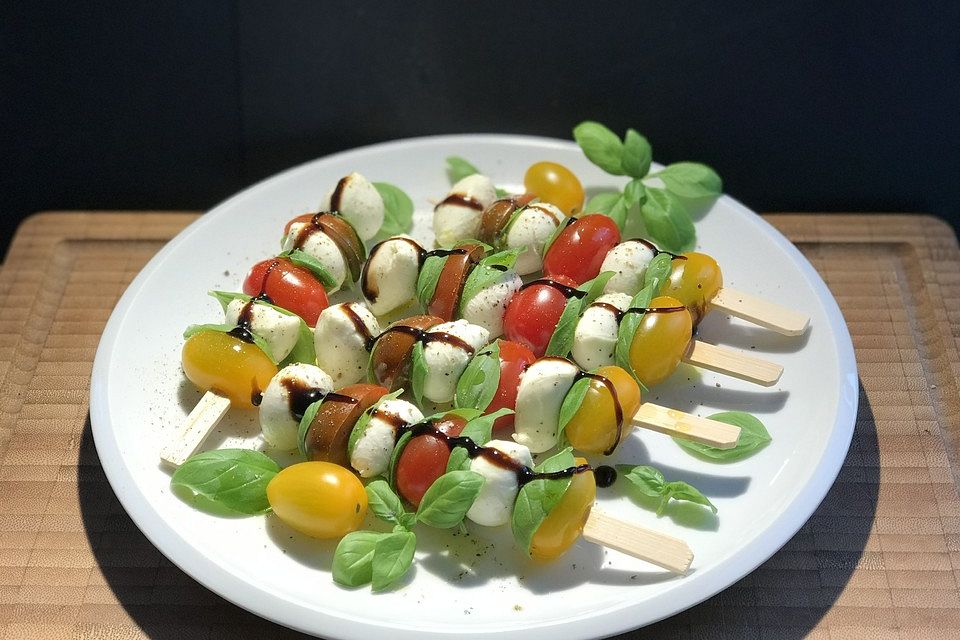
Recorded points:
462,200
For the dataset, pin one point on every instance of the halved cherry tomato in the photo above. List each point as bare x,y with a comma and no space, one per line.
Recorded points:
424,459
533,312
556,184
294,288
328,434
453,277
389,358
579,250
514,359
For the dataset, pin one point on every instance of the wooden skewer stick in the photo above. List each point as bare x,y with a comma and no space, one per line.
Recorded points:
685,426
760,312
733,363
652,546
198,425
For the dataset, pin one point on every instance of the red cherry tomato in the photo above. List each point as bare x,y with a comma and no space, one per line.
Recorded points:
533,312
579,251
514,359
288,286
424,459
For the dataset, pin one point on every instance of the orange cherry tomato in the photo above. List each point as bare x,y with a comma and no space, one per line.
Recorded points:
216,361
319,499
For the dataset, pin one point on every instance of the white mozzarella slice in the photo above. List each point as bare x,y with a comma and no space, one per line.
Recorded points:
542,389
494,505
278,421
340,340
389,278
453,222
530,231
595,338
628,260
359,203
445,362
487,307
279,330
372,452
322,248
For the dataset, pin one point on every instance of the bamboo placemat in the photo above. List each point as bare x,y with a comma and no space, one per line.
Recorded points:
879,559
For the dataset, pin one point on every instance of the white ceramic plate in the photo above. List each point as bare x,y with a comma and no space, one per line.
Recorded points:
478,584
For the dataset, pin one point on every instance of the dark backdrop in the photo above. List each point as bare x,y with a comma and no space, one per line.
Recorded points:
800,106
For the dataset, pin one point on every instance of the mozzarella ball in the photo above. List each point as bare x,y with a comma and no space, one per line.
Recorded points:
278,419
372,452
389,279
359,203
530,231
487,307
340,340
279,330
453,222
445,362
494,505
628,260
595,338
322,248
542,389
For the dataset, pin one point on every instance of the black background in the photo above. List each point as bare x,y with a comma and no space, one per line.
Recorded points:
817,106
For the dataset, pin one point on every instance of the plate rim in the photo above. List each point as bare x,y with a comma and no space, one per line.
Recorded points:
618,620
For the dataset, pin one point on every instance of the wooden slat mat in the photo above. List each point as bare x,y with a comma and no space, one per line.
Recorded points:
879,559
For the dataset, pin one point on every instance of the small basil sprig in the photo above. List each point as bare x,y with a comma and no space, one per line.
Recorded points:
480,380
650,482
311,264
656,275
225,481
363,557
479,429
305,422
386,505
537,498
571,403
458,169
303,350
418,371
753,437
364,420
428,278
561,342
258,340
659,197
486,274
448,499
397,210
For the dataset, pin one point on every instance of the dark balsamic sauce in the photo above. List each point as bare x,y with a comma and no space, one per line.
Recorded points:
337,194
314,226
605,476
461,200
656,251
244,320
359,326
301,395
568,292
425,336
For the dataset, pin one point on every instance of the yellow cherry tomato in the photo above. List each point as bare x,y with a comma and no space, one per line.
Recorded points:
593,428
217,361
660,341
319,499
694,282
562,526
554,183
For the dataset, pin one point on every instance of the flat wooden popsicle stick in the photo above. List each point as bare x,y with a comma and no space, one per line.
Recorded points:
652,546
198,425
760,312
733,363
686,426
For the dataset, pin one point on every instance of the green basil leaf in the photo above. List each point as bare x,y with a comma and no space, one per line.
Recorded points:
637,154
753,437
635,193
364,421
305,422
667,222
311,264
657,273
556,233
691,180
561,341
458,169
397,209
648,480
601,146
459,460
680,490
449,498
428,278
485,274
227,328
384,503
602,202
395,457
353,559
480,380
478,428
628,328
618,213
537,498
225,481
418,371
572,402
392,558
